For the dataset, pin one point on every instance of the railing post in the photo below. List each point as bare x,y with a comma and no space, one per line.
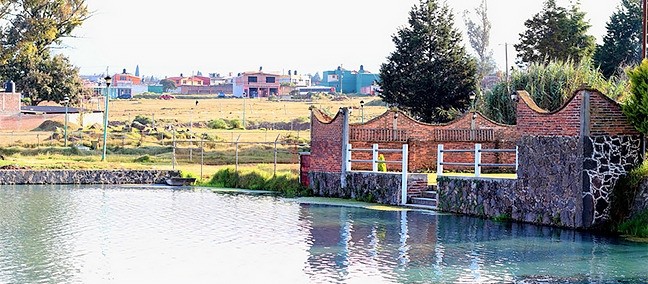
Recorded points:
404,173
477,160
349,157
439,170
374,159
516,159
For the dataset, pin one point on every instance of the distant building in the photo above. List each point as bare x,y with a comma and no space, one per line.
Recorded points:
256,84
125,85
201,85
295,80
188,81
350,82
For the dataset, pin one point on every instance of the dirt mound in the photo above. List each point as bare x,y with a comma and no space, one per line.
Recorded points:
48,125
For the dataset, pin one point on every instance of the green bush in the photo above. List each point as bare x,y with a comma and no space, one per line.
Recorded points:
636,106
143,159
636,226
286,184
253,180
217,124
235,124
225,178
143,120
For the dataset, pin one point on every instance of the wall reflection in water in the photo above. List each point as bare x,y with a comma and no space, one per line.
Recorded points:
353,244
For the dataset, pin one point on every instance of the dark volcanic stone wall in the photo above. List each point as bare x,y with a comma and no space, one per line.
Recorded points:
549,190
478,197
85,176
384,188
606,160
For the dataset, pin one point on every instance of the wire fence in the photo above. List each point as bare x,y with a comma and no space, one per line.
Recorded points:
178,149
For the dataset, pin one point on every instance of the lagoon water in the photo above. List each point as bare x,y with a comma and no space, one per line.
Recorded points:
121,234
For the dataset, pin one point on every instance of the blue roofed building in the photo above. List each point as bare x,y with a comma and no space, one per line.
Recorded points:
351,82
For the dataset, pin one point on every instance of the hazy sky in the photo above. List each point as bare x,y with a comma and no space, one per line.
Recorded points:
166,38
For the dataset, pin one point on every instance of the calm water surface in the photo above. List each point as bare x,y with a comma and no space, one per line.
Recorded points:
71,234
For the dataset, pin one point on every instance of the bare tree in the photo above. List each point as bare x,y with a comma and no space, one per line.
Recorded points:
479,37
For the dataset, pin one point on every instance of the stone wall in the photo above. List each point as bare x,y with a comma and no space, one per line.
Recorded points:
504,198
640,203
85,176
481,197
384,188
548,190
606,160
550,174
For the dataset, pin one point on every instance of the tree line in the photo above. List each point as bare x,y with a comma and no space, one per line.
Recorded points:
29,31
431,75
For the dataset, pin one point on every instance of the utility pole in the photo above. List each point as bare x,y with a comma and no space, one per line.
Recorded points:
643,30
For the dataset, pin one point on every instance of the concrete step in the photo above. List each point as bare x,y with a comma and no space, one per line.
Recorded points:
429,194
424,201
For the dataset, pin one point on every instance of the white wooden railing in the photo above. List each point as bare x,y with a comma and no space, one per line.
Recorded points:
477,164
374,163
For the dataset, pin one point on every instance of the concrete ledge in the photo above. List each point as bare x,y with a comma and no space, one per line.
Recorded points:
85,176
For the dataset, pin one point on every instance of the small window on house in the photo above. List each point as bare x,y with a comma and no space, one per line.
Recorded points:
252,79
270,79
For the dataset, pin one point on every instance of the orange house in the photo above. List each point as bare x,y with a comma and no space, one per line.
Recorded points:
125,79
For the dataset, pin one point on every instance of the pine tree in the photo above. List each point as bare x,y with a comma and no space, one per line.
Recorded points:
622,43
429,75
556,33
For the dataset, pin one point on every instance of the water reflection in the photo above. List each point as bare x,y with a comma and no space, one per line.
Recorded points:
65,234
419,247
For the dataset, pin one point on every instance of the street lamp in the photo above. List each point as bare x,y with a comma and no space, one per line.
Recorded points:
105,130
472,100
66,101
362,111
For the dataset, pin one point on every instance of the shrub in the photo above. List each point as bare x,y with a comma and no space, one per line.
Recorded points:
636,106
217,124
143,159
235,124
636,226
143,120
253,180
287,184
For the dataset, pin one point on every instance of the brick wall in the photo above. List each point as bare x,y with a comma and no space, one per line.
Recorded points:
534,121
424,138
326,142
9,103
607,118
394,128
27,122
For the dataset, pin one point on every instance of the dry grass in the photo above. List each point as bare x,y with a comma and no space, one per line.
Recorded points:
183,112
258,109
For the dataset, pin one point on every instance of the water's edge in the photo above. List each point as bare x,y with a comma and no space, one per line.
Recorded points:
9,177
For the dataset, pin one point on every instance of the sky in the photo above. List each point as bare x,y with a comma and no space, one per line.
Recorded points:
169,38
